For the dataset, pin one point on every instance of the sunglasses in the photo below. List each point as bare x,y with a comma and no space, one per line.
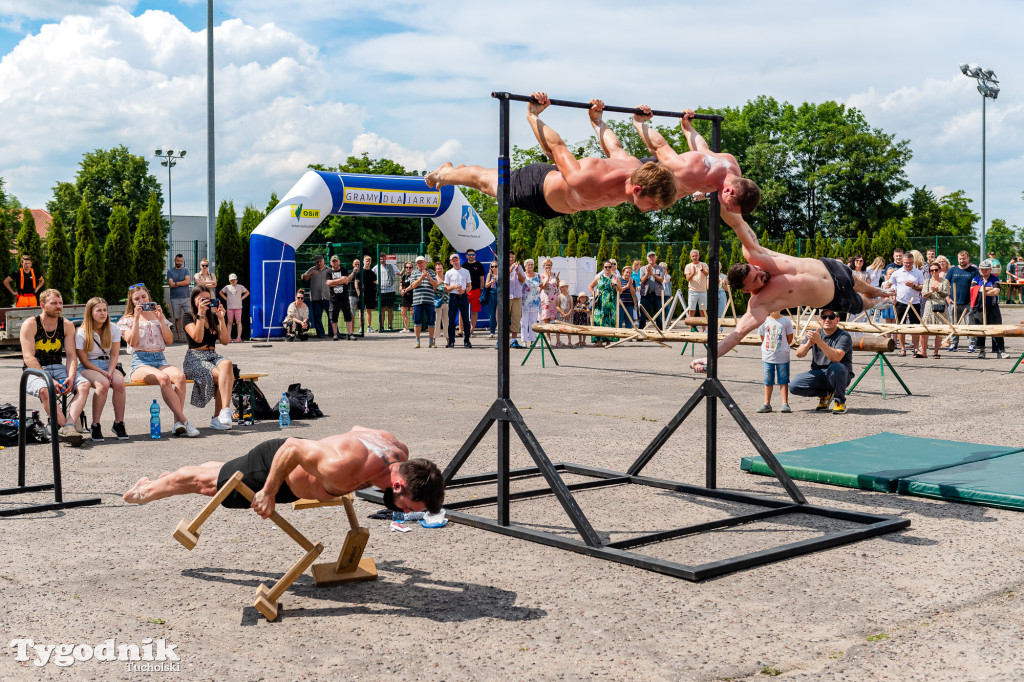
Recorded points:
828,317
607,267
136,286
936,269
204,265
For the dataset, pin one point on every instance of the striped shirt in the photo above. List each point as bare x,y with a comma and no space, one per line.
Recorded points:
423,294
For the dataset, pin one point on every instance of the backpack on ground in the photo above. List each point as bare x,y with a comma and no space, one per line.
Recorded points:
259,409
302,403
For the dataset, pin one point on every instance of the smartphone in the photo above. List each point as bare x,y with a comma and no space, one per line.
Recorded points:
214,303
149,306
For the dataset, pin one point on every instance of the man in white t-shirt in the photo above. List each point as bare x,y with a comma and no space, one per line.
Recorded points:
776,334
696,273
458,283
908,282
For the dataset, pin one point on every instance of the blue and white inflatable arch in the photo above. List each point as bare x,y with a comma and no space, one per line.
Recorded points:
319,194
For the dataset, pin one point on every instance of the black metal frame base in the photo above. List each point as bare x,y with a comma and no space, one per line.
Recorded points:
55,486
504,413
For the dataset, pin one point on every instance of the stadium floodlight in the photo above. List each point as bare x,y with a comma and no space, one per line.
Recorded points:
987,86
170,159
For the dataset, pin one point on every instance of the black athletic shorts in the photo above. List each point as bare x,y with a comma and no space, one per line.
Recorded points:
339,304
526,187
255,468
846,298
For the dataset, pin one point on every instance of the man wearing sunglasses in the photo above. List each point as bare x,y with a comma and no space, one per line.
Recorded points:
831,364
777,281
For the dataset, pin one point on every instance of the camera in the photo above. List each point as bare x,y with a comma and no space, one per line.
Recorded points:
148,306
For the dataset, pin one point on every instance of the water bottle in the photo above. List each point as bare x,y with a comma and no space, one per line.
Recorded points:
398,517
154,420
284,411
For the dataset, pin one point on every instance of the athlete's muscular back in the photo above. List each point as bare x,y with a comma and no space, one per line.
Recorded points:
701,171
598,183
345,463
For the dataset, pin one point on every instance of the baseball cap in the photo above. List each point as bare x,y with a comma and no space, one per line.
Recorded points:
420,258
985,265
232,276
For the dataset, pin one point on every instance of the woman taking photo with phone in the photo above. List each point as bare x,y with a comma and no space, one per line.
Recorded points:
212,374
98,343
147,332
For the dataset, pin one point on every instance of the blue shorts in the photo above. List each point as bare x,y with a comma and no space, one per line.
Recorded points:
776,374
142,358
423,315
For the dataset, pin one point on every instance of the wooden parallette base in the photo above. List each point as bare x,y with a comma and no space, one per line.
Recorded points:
351,566
325,575
267,598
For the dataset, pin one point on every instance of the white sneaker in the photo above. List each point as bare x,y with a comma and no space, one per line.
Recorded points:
226,417
190,430
179,428
217,425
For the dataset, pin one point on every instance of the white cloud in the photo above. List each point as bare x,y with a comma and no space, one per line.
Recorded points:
113,79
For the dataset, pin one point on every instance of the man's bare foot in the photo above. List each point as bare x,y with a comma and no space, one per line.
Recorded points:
136,495
435,178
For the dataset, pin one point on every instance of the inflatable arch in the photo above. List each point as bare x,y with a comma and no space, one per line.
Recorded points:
319,194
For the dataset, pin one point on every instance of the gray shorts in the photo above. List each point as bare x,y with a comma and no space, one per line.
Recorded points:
58,373
178,307
697,300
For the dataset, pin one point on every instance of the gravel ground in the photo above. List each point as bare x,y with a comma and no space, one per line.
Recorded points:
940,600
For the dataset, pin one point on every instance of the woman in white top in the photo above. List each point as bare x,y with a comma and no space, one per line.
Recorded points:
147,332
876,272
204,277
98,344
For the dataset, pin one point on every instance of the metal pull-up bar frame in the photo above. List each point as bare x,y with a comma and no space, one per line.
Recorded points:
504,414
607,107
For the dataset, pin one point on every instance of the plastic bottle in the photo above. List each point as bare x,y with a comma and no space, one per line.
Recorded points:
154,420
284,411
398,517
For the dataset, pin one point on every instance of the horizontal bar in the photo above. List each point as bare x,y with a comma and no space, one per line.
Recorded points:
536,492
27,489
32,509
607,107
703,527
474,479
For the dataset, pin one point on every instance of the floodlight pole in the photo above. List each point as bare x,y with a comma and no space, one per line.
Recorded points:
170,159
988,87
210,166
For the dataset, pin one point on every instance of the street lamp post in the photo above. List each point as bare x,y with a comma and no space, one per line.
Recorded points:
988,86
170,159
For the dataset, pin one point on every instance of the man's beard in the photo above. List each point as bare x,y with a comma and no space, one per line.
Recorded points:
53,315
389,500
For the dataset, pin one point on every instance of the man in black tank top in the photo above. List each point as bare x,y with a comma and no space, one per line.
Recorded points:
48,343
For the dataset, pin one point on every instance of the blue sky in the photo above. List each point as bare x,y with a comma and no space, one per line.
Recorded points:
318,81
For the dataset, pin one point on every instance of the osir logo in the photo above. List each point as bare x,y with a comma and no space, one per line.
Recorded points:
298,212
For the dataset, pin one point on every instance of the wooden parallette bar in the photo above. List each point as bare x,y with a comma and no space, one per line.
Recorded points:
874,344
351,565
268,598
187,532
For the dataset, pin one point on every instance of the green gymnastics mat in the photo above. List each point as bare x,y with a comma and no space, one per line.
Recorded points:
876,462
995,482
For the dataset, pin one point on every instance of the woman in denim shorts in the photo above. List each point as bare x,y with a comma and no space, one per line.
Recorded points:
146,333
98,344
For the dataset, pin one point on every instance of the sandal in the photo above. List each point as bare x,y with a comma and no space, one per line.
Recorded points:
936,355
920,356
903,353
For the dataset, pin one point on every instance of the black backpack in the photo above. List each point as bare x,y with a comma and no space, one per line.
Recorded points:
302,403
260,404
35,430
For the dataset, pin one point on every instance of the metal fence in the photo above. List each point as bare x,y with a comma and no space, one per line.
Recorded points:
193,251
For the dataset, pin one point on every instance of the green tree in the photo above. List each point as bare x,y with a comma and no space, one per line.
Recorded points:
148,251
28,241
84,238
251,218
117,275
892,236
603,253
271,203
87,282
62,270
229,252
613,252
1000,239
540,248
571,244
434,245
583,249
862,245
107,178
446,251
670,265
820,245
694,246
789,245
6,238
738,297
